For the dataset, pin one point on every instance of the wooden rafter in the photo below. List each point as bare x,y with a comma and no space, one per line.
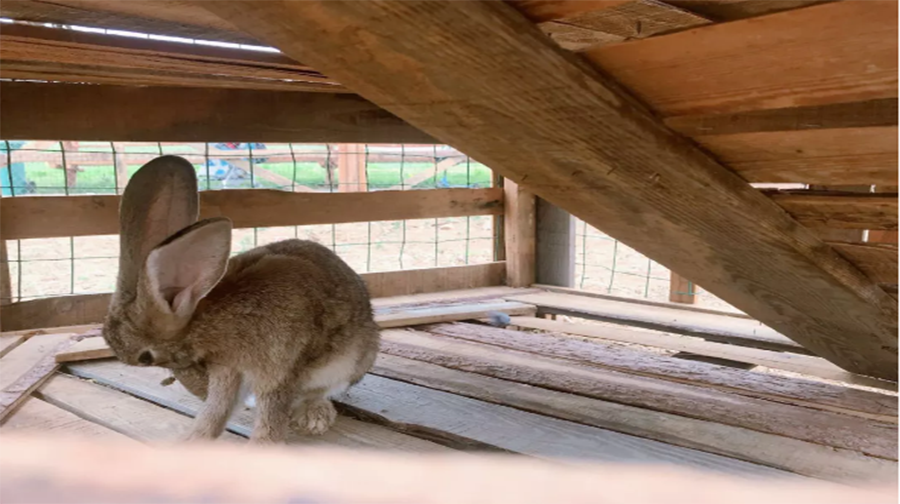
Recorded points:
479,76
33,111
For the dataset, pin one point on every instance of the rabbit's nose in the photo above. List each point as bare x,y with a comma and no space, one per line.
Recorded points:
145,358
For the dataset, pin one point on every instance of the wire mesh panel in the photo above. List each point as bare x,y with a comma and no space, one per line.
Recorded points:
83,265
605,264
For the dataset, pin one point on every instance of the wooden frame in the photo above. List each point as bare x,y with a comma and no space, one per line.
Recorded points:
33,111
58,216
551,142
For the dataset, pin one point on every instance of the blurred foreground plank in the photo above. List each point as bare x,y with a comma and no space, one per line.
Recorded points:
64,470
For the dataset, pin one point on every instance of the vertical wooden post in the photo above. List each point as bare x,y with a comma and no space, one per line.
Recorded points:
519,232
681,290
555,254
71,169
499,225
5,282
352,168
121,169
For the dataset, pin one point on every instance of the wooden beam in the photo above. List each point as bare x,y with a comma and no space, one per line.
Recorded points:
844,156
35,52
881,236
840,210
351,167
519,234
681,290
851,55
878,260
5,281
859,114
56,216
92,308
568,134
33,111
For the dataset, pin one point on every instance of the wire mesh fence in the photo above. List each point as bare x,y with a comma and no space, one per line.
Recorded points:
86,265
604,264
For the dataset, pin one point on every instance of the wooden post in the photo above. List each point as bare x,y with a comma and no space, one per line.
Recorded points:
681,290
519,231
71,170
5,283
555,255
352,167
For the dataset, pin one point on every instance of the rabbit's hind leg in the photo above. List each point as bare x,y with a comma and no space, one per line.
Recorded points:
313,412
273,416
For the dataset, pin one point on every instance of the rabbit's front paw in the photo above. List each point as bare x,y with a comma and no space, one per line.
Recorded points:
316,418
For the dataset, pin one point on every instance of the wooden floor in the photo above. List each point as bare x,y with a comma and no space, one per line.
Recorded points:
609,381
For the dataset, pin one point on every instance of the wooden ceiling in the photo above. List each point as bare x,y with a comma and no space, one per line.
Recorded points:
780,91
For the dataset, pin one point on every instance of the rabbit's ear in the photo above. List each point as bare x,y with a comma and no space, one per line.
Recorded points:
184,268
160,199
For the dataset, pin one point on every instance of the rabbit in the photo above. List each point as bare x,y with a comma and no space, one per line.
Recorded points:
290,319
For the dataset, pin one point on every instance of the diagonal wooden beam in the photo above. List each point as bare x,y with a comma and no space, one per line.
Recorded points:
479,76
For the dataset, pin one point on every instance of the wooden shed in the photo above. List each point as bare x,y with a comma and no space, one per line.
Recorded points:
749,146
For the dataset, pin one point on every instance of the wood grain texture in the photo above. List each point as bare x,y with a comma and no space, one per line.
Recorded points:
5,283
833,209
27,367
858,114
520,234
851,55
878,260
86,349
55,216
26,49
636,301
711,326
144,383
732,10
39,417
34,111
574,375
802,364
280,475
844,156
418,409
774,451
92,308
567,134
120,412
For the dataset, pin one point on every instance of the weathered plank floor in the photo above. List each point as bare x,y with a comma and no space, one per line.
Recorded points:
542,388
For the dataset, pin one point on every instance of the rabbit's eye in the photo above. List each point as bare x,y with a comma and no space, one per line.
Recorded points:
146,358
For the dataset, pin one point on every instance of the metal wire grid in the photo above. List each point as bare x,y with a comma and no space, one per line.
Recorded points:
83,265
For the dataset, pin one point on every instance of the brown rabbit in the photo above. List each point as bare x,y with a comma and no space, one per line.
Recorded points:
290,319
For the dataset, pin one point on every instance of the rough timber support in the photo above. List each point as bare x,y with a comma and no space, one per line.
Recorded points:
481,77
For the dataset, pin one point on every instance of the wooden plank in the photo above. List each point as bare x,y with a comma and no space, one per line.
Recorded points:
128,415
305,475
31,52
37,416
877,260
92,308
636,19
34,111
802,364
859,114
734,330
575,376
628,175
55,216
450,313
788,454
681,290
549,10
850,56
144,383
446,297
844,156
27,367
732,10
10,341
519,235
351,164
880,406
5,283
86,349
174,19
831,209
415,409
434,280
881,236
638,301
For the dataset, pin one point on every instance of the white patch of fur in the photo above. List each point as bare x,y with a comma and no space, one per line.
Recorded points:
333,376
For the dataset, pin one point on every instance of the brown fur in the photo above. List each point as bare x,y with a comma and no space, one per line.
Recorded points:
290,317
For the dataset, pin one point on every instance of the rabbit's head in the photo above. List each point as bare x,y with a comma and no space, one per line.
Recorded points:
168,262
